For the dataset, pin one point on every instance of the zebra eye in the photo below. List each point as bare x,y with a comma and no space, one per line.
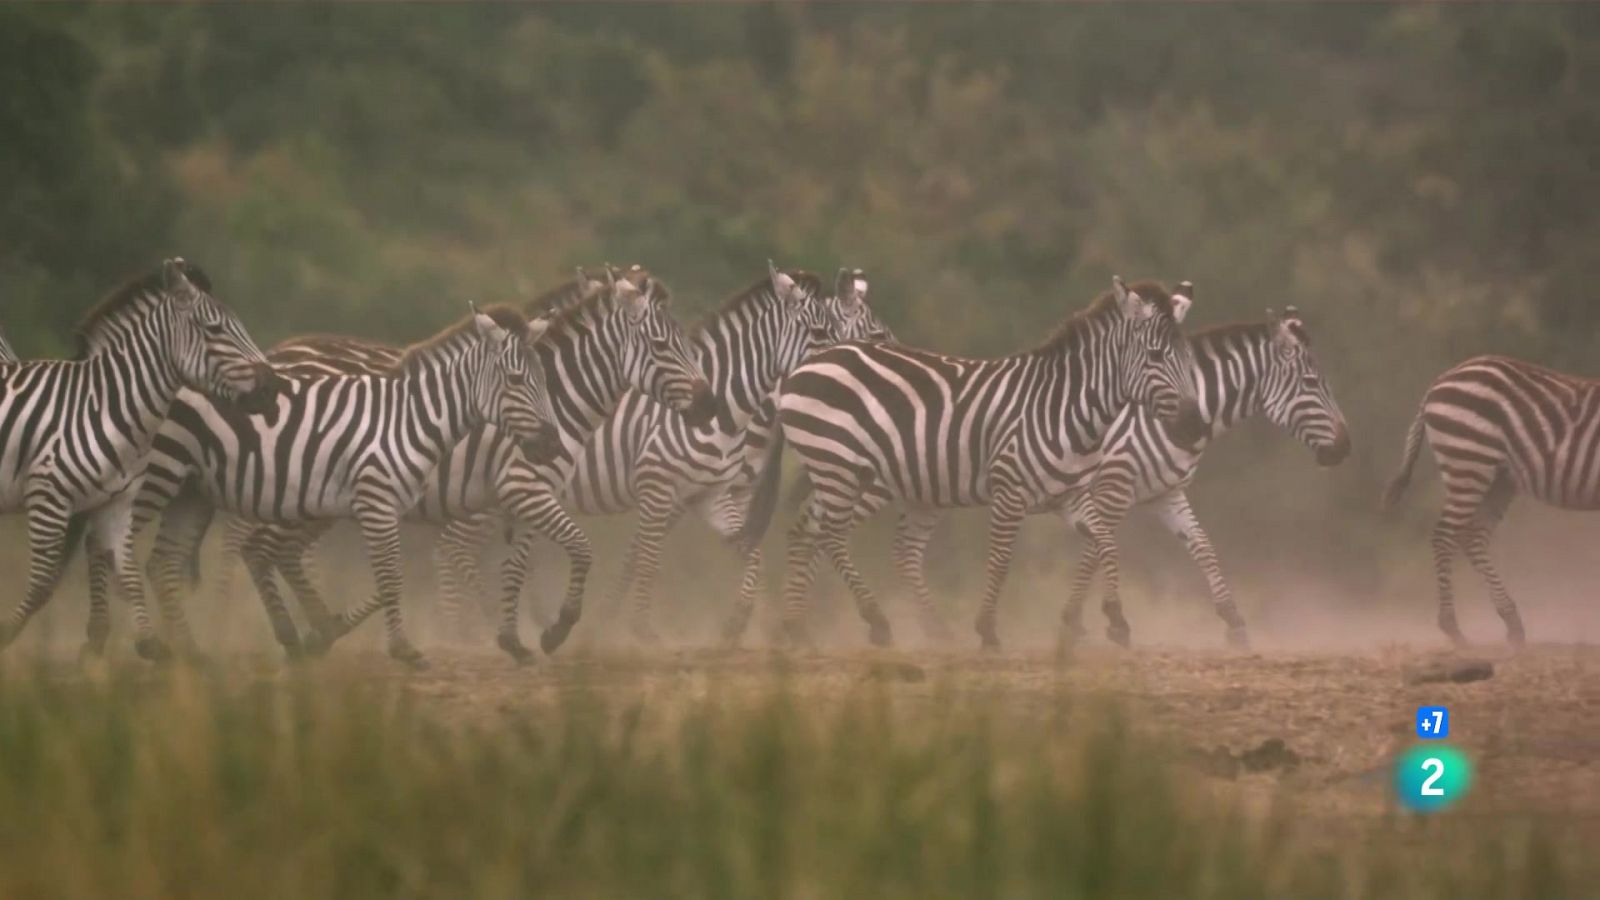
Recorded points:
1157,354
660,345
517,379
1310,381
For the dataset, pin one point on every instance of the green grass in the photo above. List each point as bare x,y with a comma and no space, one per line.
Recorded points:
321,785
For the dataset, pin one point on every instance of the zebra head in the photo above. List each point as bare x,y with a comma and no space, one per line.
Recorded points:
509,387
854,319
213,352
812,323
1157,366
1294,394
656,355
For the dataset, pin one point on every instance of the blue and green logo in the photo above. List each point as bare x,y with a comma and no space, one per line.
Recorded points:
1432,777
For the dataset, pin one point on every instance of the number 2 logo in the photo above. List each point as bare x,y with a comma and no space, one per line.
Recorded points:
1435,765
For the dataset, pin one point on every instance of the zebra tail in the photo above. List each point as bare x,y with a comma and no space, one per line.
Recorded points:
764,499
1402,479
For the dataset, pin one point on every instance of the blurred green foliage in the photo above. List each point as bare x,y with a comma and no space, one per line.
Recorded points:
324,784
1420,181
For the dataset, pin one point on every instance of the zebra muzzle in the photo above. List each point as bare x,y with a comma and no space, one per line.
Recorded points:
544,446
1330,455
703,408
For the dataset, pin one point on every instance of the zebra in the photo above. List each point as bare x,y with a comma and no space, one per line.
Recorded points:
73,431
642,459
340,446
877,423
607,336
1498,427
7,355
1243,370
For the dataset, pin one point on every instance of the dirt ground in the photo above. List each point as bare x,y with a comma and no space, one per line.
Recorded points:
1532,729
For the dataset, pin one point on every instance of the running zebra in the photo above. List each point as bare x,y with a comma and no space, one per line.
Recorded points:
341,446
73,431
607,336
641,459
1499,427
880,423
1263,368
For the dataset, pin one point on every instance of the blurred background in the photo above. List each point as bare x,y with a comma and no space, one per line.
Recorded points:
1419,181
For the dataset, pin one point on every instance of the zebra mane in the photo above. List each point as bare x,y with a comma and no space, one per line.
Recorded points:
458,335
558,299
127,301
1230,330
758,292
1106,305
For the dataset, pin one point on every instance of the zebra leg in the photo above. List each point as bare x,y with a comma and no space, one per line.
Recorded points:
258,554
1005,517
381,528
1076,513
102,567
659,510
834,540
911,539
801,572
554,522
1180,519
1477,548
174,562
294,564
457,553
725,513
49,518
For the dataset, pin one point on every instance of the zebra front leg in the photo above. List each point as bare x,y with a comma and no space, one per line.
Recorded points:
1180,519
295,565
911,539
800,572
834,540
381,529
102,568
174,562
725,513
659,510
50,527
1005,517
257,552
552,520
457,554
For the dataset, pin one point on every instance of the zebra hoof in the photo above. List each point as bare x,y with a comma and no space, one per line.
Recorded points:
1119,634
553,637
92,651
1237,638
1516,637
879,634
646,634
153,649
403,652
988,639
317,642
514,647
733,630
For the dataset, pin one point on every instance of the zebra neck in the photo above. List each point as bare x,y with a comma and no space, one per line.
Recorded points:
744,360
1078,376
1229,379
135,380
583,368
439,404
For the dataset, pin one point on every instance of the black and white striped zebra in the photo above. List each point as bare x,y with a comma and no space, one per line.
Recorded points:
341,446
1499,427
640,459
881,423
1263,368
72,433
607,336
7,355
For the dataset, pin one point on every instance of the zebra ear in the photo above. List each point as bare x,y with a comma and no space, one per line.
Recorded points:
782,284
1133,306
536,328
1182,300
487,327
175,280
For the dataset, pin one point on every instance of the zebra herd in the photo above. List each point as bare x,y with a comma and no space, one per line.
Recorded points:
592,399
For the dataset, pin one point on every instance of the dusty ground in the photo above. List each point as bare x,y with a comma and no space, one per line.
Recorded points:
1532,730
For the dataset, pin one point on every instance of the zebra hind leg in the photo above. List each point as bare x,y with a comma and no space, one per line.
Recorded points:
1005,517
800,574
258,552
1477,548
1180,519
911,538
102,567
